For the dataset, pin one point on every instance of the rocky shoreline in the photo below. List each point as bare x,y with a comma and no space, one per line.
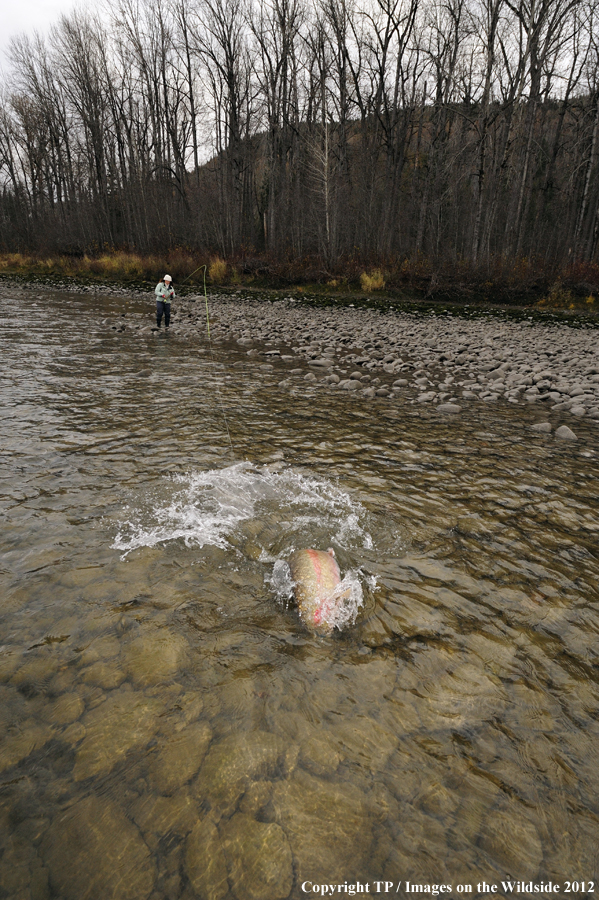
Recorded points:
442,360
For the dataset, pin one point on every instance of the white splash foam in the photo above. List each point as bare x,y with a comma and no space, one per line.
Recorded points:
344,603
207,508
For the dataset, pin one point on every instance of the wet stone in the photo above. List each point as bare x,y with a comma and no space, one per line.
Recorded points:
105,675
153,657
258,859
233,763
542,427
127,719
23,875
319,757
93,850
449,408
17,744
205,862
565,433
180,759
512,842
327,826
66,709
160,816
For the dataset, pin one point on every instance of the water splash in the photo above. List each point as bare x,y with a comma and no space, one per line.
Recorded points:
214,508
341,607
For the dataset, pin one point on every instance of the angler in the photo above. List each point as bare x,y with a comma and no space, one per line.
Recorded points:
164,295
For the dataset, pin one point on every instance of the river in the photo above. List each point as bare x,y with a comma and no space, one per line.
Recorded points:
170,729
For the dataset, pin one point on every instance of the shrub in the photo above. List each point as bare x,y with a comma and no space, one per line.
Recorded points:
217,270
558,297
373,282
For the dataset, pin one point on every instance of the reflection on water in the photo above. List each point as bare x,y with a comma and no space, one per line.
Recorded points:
170,729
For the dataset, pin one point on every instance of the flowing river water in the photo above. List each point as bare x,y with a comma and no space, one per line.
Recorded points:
170,729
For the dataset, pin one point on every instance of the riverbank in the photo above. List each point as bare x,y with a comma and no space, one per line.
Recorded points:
428,356
525,284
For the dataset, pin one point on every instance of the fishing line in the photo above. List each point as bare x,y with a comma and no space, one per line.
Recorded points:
218,394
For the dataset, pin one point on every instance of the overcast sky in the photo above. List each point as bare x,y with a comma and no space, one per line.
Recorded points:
19,16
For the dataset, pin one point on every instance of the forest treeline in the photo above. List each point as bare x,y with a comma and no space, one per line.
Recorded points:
463,131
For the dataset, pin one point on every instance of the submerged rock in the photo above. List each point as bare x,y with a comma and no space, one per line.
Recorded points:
205,862
18,744
258,859
319,756
127,719
233,763
153,657
180,758
512,842
327,826
93,850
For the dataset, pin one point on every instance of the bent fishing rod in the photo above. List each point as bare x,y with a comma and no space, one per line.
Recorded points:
204,267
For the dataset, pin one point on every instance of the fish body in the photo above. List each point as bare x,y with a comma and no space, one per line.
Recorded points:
316,578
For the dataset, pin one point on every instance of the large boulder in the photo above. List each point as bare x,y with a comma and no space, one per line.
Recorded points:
93,850
258,859
127,719
234,763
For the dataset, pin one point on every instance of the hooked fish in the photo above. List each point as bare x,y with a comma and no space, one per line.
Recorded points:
316,579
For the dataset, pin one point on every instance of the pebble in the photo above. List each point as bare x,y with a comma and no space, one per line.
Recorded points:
437,358
449,408
565,433
543,427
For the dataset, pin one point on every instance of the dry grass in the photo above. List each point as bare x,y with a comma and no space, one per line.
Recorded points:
558,297
373,282
217,270
116,266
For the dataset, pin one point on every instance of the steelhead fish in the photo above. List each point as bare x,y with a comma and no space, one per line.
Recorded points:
316,579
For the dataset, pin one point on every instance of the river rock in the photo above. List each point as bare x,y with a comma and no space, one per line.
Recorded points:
364,741
578,410
449,408
159,817
66,709
22,873
319,756
93,850
180,758
543,427
256,797
512,842
153,657
258,859
310,376
16,745
565,433
205,862
236,761
107,675
327,826
127,719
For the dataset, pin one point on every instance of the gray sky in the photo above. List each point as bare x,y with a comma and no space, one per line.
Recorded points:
19,16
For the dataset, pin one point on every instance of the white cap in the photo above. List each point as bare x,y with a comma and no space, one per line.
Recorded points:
167,278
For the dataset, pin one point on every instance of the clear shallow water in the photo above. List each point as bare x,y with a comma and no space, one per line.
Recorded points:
168,726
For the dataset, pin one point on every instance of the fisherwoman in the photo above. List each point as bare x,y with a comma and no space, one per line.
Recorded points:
164,294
